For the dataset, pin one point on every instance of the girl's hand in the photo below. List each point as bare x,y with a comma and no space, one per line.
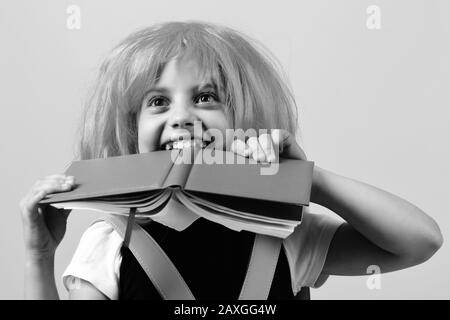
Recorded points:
44,226
268,147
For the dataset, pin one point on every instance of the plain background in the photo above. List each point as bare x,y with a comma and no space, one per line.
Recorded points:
374,105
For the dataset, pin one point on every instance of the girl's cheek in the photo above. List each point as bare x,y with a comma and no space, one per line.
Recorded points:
143,144
148,145
148,139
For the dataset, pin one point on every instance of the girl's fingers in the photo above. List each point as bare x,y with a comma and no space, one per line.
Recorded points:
286,144
266,144
260,148
56,176
256,150
280,139
240,147
268,147
59,179
44,188
53,180
35,199
29,206
52,187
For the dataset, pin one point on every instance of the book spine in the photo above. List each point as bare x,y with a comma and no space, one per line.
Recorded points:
181,168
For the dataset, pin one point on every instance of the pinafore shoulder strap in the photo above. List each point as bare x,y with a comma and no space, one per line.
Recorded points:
169,282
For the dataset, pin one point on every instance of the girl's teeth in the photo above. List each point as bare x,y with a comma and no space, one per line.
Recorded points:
180,144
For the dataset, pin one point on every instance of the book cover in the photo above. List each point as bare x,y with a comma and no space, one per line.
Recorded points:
175,193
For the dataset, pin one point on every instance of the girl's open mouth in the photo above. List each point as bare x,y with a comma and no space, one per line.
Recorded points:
181,144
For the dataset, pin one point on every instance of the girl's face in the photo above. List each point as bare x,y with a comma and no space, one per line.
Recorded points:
177,101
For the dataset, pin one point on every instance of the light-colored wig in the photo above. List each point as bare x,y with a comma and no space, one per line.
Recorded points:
256,91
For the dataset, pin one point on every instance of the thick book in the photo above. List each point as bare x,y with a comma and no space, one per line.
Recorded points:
176,187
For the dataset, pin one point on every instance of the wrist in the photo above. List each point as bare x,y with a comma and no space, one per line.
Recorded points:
317,185
39,274
34,258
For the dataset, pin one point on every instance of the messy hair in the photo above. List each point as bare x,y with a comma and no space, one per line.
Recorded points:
256,91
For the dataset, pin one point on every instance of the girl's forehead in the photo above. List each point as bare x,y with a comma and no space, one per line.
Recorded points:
187,69
183,66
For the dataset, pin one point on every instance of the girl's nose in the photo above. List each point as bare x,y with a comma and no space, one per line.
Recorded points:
181,118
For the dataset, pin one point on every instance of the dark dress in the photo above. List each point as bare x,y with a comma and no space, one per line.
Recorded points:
211,258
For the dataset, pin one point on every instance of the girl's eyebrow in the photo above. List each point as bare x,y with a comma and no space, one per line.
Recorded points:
207,86
198,88
156,89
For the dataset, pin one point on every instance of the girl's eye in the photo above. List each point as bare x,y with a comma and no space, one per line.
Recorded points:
157,102
207,98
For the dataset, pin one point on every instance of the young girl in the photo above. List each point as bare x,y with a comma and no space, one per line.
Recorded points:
151,90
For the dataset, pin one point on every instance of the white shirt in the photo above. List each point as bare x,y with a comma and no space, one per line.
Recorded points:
97,258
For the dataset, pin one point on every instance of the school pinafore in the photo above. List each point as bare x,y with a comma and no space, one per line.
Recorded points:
212,260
